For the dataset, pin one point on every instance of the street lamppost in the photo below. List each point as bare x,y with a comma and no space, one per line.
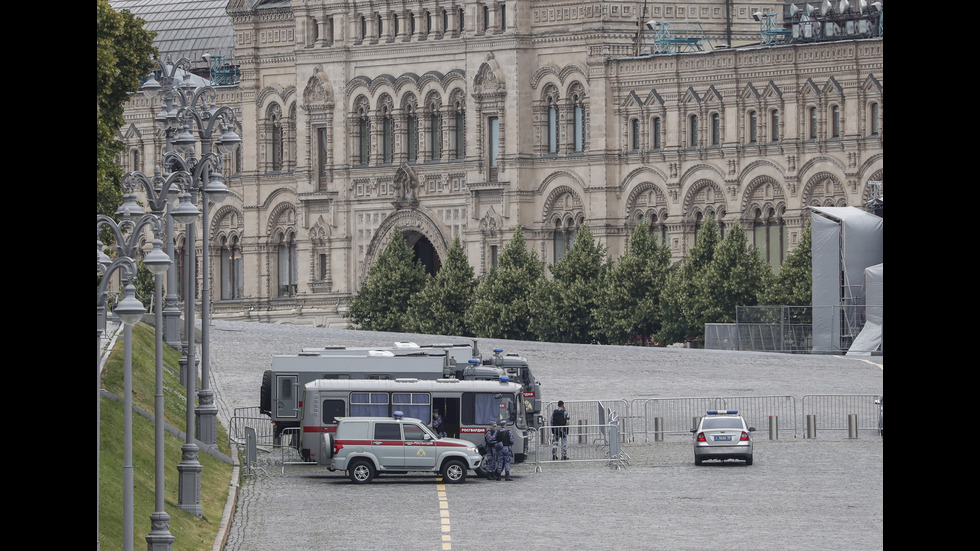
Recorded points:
130,310
157,190
198,111
168,120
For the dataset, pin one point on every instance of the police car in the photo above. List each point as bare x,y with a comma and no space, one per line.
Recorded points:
366,446
722,434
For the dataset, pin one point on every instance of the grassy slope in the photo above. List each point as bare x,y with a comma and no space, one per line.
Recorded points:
190,532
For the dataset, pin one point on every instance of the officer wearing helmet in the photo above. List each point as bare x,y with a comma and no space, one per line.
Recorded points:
502,451
490,441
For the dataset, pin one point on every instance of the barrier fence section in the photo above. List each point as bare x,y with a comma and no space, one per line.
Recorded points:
841,412
250,417
677,416
589,412
585,443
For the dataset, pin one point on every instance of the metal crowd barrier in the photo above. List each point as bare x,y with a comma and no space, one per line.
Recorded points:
249,417
677,416
585,443
841,412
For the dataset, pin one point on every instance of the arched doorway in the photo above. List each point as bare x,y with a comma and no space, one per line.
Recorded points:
424,251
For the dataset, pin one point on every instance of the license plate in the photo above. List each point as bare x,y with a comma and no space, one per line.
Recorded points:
726,438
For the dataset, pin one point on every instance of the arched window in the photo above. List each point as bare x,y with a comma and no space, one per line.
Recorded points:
363,138
388,135
874,121
692,128
769,237
564,236
276,136
435,133
459,129
485,23
287,266
552,125
579,119
715,129
412,124
232,269
753,126
835,121
774,125
634,134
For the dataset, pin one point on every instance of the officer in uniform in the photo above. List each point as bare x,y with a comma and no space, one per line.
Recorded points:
437,424
490,439
503,452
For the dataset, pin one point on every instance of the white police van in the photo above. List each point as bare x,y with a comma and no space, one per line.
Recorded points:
366,446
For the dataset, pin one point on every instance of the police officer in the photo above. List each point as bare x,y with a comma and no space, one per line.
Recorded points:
490,439
437,424
503,452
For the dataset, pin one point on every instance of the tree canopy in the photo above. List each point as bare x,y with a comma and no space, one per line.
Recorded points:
630,300
564,308
502,309
124,55
440,307
381,304
794,285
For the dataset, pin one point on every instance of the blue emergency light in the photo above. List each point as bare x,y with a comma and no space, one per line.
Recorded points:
399,415
728,412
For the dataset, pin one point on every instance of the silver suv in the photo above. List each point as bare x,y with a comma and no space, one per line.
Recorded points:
366,446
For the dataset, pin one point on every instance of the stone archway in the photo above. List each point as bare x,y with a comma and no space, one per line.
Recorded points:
424,250
425,236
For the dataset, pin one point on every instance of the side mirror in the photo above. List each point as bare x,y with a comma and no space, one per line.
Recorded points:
751,429
426,436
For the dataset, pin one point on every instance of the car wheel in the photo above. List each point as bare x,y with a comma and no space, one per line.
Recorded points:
454,471
361,472
748,460
698,460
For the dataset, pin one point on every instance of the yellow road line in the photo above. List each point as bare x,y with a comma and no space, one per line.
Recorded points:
447,542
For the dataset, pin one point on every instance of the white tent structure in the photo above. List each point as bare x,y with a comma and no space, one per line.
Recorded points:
847,311
869,340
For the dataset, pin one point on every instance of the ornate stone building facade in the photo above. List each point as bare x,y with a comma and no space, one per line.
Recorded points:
445,118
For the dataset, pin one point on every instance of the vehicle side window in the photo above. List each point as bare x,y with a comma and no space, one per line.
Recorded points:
413,432
387,431
331,410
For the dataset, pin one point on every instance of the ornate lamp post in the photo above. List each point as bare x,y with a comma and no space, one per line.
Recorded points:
198,112
167,118
130,310
157,190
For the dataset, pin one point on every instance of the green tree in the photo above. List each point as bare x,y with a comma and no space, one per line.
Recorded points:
381,304
630,308
736,276
440,307
794,286
124,54
501,309
681,319
564,309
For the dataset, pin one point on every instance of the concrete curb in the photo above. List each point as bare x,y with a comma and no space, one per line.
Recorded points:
229,513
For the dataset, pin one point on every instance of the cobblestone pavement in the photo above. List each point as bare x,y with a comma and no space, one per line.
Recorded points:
824,493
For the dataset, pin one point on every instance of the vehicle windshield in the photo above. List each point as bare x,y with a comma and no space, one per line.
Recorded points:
500,407
722,423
